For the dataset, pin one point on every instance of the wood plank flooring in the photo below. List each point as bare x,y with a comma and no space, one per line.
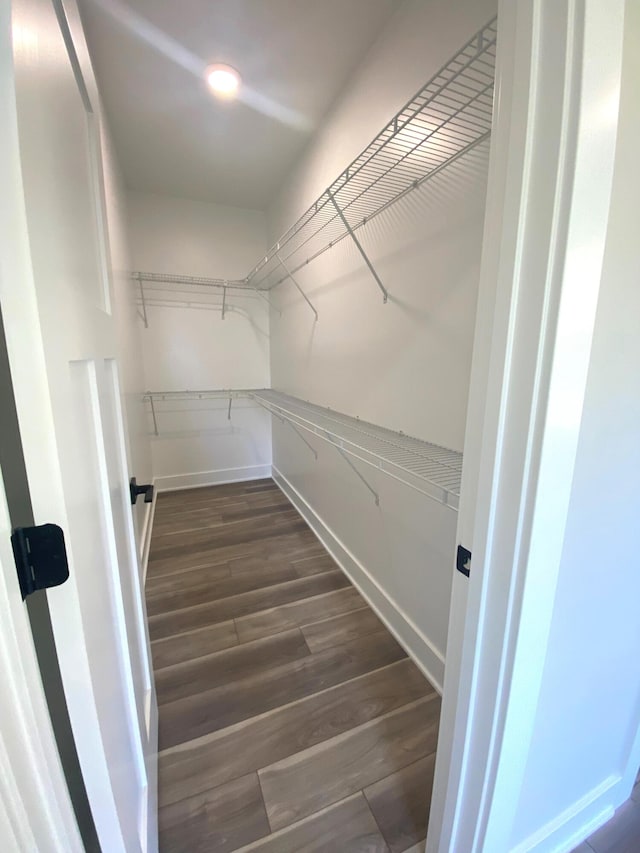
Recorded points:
290,719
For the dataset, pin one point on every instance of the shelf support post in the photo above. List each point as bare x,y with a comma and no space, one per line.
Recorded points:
229,409
143,303
365,257
224,299
304,295
355,470
153,415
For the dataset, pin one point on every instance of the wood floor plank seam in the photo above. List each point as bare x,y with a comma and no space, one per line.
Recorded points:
203,610
310,599
366,801
260,513
298,805
219,524
279,837
282,540
216,708
204,739
171,679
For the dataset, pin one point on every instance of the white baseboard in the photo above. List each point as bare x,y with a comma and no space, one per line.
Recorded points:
175,482
145,542
410,637
570,828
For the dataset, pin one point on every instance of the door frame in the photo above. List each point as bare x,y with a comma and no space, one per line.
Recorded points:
549,190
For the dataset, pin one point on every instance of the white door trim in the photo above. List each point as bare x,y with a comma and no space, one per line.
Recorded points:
553,151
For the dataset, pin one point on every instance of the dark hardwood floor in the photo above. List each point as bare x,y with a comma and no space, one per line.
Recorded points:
290,719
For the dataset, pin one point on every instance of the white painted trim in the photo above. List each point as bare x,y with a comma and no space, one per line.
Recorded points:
428,659
175,482
146,539
560,835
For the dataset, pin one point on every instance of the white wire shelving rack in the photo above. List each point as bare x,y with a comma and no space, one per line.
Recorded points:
428,468
447,118
152,398
183,290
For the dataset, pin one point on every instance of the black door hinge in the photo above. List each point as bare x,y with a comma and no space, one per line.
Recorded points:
41,557
463,561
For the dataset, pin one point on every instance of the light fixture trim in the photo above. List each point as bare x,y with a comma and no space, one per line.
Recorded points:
223,80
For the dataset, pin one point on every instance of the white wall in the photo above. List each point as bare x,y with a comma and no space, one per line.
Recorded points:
405,364
586,738
190,346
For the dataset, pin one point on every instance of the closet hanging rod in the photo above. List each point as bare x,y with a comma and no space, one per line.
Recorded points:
448,117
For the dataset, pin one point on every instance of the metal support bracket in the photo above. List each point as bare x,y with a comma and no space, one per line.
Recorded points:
229,409
355,470
302,438
365,257
284,420
153,415
304,295
143,303
224,300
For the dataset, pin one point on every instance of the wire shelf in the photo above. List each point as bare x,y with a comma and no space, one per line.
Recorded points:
190,280
227,395
169,290
449,116
430,469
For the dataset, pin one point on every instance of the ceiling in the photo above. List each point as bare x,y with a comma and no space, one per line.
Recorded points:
172,136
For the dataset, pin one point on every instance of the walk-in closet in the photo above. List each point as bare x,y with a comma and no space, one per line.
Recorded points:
298,280
282,350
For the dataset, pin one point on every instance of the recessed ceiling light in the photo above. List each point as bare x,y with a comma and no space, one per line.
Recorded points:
223,80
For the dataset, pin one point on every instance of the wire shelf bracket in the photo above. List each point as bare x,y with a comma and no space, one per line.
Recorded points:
365,257
143,302
153,415
376,496
304,295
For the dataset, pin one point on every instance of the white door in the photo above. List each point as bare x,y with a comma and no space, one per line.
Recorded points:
62,348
